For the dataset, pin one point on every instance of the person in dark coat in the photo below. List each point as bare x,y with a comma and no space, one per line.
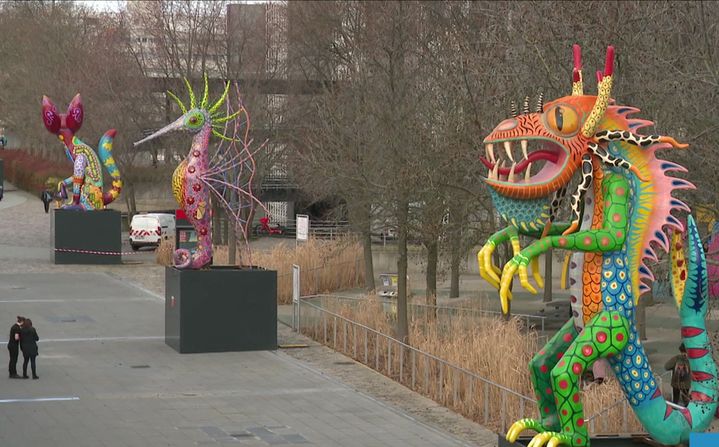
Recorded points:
681,376
13,345
28,346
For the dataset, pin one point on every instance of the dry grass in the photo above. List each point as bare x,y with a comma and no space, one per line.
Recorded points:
485,346
325,265
163,253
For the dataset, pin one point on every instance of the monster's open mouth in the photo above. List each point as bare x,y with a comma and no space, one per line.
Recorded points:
525,161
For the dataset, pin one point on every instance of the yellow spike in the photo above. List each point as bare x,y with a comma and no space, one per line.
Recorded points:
177,100
193,102
578,87
219,135
226,118
600,106
221,100
203,104
679,264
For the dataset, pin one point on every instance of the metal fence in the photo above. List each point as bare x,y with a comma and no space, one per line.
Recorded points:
450,385
320,229
418,310
476,397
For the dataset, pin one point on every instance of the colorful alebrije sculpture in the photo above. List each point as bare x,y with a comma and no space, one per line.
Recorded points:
227,174
620,207
87,182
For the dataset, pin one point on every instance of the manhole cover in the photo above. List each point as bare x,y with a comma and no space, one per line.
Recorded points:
139,366
68,320
344,363
242,435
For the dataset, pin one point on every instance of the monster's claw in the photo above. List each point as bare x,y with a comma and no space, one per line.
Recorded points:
507,274
487,270
551,439
572,228
521,425
539,440
524,280
536,274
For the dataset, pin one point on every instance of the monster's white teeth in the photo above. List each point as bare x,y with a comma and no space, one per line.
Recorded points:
490,153
508,149
494,174
528,173
510,177
524,148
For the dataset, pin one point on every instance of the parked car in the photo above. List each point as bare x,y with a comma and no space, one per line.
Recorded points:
149,229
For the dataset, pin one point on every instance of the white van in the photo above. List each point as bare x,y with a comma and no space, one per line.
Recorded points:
149,229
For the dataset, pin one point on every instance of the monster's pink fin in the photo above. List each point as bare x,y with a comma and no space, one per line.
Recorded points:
653,200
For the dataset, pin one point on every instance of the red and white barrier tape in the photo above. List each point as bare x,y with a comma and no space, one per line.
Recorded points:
92,252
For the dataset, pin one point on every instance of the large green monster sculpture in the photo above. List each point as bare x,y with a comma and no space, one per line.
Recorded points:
620,209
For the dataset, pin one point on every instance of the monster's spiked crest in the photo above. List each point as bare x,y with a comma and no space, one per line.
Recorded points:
197,116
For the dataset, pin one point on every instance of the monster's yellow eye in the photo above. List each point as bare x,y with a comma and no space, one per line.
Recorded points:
562,120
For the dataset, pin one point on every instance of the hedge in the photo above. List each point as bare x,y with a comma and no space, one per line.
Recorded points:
31,172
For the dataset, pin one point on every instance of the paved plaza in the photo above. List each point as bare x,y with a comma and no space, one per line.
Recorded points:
108,379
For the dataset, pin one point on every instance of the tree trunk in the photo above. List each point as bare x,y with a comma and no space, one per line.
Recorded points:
216,224
129,193
402,323
361,219
368,263
431,275
548,276
231,245
455,262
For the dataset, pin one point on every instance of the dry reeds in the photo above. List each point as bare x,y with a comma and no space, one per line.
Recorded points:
164,252
454,352
325,265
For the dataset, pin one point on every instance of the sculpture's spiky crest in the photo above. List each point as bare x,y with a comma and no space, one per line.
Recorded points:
216,120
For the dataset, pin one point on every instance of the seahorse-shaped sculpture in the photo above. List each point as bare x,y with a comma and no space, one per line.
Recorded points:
200,175
87,182
620,207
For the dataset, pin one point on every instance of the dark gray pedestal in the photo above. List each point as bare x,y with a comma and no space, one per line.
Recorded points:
220,309
627,440
82,233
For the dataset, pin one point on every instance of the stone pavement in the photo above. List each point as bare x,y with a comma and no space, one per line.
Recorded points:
108,379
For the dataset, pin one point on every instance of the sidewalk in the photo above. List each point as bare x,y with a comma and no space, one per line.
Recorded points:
108,379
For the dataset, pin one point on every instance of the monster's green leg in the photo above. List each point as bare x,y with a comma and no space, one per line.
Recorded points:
540,367
604,336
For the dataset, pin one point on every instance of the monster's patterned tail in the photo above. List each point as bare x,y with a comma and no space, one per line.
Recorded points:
671,424
105,152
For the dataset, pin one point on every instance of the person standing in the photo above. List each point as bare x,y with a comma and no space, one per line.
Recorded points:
681,376
13,345
28,345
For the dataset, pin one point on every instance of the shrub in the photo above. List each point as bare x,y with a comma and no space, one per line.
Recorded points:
31,172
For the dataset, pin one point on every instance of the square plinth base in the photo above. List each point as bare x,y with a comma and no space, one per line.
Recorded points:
624,440
86,237
220,309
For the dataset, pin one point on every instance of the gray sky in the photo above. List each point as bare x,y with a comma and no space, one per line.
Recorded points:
107,5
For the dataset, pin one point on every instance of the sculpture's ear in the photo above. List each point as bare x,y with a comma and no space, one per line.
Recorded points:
75,114
50,116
